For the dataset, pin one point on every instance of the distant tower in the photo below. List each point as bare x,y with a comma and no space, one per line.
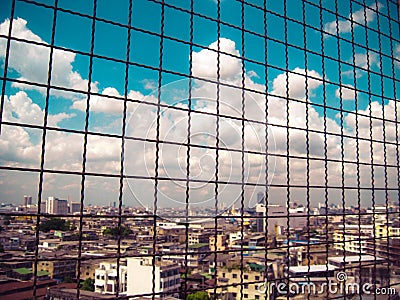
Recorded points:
260,198
27,200
260,212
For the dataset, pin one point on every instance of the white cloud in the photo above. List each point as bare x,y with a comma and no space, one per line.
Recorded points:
16,148
252,74
361,16
348,92
35,69
20,108
17,143
364,61
205,61
22,146
102,104
19,148
297,83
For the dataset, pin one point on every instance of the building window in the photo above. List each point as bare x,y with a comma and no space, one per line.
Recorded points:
245,296
246,276
234,275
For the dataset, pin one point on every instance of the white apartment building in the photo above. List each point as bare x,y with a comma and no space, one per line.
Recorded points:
350,242
354,238
140,276
106,278
56,206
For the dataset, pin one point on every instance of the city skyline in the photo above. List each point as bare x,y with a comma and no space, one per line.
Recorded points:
351,91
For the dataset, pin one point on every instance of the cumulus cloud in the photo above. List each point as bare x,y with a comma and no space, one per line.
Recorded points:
362,16
362,60
297,83
21,108
22,146
345,92
32,61
17,149
104,152
102,104
366,60
205,61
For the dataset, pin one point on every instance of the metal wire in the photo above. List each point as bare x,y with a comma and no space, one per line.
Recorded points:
289,157
85,143
43,148
124,116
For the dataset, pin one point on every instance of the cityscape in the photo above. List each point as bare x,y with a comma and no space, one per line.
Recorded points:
199,150
239,254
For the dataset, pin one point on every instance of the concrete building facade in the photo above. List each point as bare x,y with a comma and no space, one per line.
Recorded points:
56,206
140,276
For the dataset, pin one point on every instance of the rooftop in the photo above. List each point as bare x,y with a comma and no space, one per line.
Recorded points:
355,258
199,245
311,268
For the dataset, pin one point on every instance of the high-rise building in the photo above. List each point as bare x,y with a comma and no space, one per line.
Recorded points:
27,200
74,207
260,198
278,217
56,206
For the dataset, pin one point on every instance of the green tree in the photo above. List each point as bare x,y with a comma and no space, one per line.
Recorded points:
114,232
88,285
198,296
67,279
54,224
7,220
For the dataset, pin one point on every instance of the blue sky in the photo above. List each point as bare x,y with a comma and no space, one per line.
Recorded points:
74,32
67,110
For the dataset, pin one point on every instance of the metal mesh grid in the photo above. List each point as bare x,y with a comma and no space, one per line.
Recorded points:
324,77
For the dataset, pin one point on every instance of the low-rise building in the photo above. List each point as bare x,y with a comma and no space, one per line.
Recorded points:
106,278
59,268
140,276
88,269
218,244
253,276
